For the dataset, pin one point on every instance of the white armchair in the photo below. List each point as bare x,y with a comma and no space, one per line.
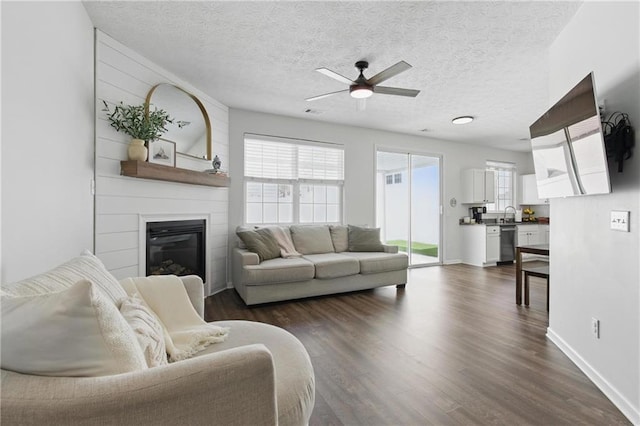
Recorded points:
261,375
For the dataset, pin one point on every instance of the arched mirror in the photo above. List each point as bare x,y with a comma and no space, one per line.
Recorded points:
191,128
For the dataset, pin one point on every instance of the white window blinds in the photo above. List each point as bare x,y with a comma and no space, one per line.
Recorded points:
271,160
268,159
320,163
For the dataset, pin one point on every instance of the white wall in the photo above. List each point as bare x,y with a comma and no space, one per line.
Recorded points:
360,148
47,135
594,270
124,75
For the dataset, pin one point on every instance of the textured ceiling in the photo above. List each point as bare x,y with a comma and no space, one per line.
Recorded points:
486,59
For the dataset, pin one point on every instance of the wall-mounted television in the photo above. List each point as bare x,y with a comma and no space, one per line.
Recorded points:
568,147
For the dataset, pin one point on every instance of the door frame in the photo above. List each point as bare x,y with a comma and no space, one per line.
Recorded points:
399,150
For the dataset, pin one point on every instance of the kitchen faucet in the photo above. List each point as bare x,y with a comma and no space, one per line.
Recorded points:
504,216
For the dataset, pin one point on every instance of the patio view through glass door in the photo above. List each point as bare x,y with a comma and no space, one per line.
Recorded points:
408,204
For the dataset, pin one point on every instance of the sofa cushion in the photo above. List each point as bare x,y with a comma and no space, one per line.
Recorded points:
74,332
364,239
339,237
262,242
374,262
333,265
86,266
278,271
311,239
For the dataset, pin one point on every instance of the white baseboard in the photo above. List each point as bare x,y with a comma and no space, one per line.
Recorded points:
218,290
631,412
452,261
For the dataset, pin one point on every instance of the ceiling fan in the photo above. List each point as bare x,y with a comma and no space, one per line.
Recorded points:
362,88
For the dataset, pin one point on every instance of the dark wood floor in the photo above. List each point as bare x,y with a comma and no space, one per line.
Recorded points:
451,348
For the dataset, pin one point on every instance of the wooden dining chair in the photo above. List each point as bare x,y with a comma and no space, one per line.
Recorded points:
540,272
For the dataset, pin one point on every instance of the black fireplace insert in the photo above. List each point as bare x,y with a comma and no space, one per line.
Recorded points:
176,248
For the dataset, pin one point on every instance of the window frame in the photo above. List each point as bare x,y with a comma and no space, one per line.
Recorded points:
496,167
296,182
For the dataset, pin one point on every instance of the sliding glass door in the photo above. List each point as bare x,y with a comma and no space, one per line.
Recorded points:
408,204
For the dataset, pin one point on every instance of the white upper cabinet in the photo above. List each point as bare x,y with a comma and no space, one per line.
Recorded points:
478,186
529,191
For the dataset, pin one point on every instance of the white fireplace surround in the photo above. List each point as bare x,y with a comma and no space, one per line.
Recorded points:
142,237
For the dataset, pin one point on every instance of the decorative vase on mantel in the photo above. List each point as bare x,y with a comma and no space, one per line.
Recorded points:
137,151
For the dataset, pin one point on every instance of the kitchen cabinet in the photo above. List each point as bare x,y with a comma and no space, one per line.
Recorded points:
528,235
529,191
478,186
531,235
481,245
493,244
543,234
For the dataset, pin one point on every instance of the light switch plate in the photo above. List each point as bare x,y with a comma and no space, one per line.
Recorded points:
620,220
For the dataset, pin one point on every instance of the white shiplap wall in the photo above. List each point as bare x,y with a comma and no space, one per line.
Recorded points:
123,75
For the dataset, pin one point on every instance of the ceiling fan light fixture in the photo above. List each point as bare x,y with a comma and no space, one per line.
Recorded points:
360,91
465,119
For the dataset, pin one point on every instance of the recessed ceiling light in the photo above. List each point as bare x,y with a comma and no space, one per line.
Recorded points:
462,120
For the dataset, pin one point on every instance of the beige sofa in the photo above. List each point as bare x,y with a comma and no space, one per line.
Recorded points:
261,375
329,264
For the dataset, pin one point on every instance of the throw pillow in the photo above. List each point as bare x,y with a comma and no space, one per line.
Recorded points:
72,333
364,239
86,266
239,242
339,237
311,239
148,330
262,242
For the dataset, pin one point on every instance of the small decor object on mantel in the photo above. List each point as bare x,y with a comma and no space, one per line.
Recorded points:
216,164
162,152
139,122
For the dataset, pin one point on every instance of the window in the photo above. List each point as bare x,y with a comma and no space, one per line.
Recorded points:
504,183
292,181
393,178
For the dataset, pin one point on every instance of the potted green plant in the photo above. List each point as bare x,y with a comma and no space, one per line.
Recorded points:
139,122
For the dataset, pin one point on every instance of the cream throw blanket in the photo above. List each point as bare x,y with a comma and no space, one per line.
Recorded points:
287,249
185,333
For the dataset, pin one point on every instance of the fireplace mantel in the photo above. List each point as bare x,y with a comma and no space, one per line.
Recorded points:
144,170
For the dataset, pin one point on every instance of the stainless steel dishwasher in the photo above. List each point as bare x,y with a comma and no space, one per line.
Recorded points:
507,243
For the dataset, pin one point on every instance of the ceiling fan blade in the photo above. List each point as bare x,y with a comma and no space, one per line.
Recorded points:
335,76
395,91
393,70
315,98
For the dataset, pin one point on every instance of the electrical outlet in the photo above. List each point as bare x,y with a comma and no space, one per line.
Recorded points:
595,327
